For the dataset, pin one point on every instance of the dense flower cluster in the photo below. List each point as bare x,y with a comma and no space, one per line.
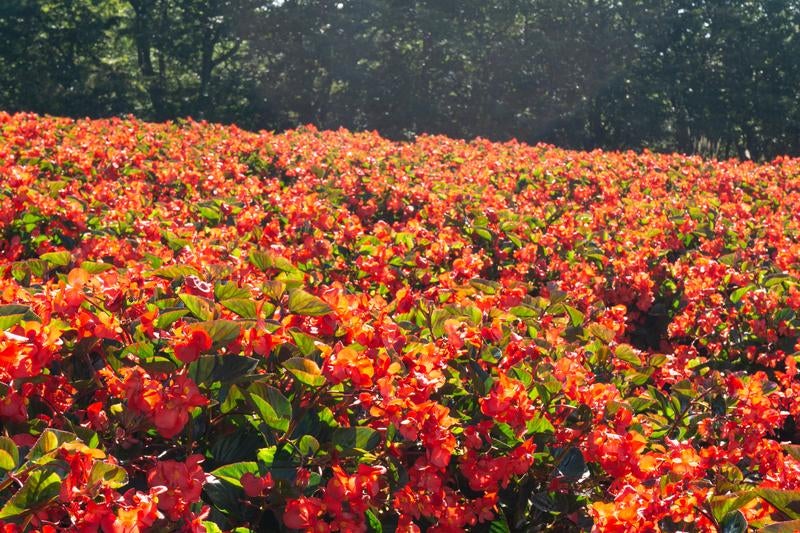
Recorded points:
206,329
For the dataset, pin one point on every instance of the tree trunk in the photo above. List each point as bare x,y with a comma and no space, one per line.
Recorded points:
141,34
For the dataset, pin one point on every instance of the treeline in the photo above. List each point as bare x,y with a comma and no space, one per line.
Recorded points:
718,77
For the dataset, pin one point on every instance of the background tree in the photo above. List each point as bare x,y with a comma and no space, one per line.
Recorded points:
718,77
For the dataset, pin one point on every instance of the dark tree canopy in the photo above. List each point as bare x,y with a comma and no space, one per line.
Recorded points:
718,77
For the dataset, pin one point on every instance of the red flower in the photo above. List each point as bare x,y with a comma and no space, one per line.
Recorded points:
255,486
183,481
172,413
191,344
302,513
507,402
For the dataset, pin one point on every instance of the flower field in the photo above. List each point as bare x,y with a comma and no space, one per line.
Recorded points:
206,329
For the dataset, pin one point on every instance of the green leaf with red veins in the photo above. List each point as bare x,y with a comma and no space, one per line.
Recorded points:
222,332
786,501
274,289
305,370
175,272
93,267
243,307
625,352
268,261
202,308
229,290
305,303
108,474
48,442
57,258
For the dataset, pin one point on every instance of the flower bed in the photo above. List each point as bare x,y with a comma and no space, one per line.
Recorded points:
210,329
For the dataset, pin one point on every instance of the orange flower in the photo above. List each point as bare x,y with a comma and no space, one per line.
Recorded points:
349,364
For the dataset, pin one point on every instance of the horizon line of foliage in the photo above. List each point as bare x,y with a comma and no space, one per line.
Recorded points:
715,77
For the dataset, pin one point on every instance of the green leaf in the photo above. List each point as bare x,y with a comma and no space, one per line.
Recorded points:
57,258
274,289
7,462
485,286
575,316
209,369
174,272
438,317
168,318
657,360
142,350
734,522
11,315
737,295
539,424
721,506
786,501
272,406
373,522
232,400
573,466
221,331
244,307
210,213
229,290
304,342
305,370
202,308
624,352
211,527
224,496
93,267
500,524
233,473
266,456
236,446
41,487
308,445
601,332
483,233
174,242
523,311
792,526
304,303
9,454
107,474
48,442
267,260
639,378
355,438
